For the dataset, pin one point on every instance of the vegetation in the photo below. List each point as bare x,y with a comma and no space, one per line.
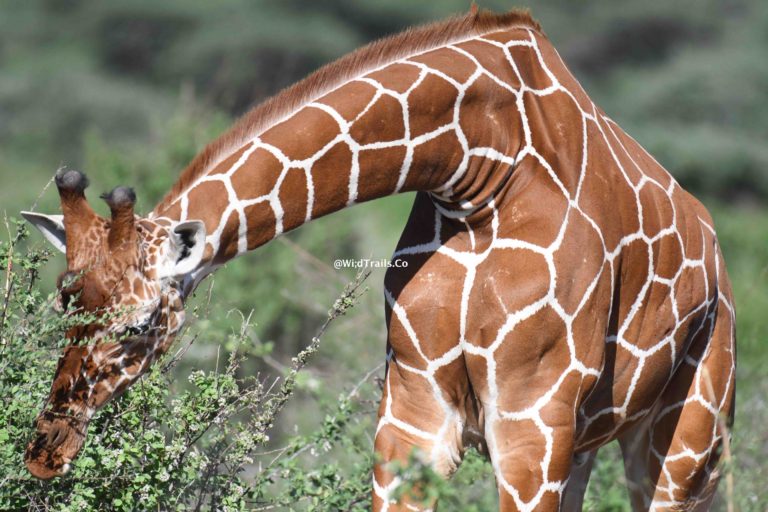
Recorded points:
161,447
129,91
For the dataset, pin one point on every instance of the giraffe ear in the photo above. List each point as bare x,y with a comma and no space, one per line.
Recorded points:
188,245
51,226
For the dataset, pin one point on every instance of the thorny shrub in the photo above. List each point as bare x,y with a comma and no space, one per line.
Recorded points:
166,444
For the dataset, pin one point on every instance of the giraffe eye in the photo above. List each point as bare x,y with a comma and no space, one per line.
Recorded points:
137,330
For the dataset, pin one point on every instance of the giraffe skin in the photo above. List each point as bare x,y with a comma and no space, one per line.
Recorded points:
562,290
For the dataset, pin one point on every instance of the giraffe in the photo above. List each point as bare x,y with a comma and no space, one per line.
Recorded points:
561,289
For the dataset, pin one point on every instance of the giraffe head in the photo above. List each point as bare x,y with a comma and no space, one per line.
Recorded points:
129,274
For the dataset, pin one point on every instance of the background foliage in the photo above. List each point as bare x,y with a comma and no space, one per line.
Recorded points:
129,91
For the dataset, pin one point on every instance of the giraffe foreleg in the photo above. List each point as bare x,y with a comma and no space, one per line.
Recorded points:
671,459
532,458
417,426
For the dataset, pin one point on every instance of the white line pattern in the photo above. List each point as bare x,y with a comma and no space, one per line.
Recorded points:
596,130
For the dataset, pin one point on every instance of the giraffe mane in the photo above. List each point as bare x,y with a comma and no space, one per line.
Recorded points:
374,55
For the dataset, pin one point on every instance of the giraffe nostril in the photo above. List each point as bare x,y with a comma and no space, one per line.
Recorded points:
56,436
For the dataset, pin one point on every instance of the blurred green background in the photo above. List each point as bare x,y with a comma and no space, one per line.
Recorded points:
128,92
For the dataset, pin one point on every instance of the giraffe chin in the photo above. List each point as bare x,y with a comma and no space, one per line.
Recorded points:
57,442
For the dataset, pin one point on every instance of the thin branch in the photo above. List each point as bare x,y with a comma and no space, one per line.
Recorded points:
179,354
9,281
311,258
42,192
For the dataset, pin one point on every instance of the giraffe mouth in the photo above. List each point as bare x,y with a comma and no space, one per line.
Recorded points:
56,443
145,326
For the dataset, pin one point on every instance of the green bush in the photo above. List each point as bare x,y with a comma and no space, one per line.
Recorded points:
166,444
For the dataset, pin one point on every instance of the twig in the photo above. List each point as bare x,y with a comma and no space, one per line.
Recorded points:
42,192
281,451
362,381
8,283
179,354
306,255
209,295
340,307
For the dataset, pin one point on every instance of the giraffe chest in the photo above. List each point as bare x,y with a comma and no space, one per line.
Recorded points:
539,303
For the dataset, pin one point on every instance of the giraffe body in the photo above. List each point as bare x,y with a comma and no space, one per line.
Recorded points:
562,290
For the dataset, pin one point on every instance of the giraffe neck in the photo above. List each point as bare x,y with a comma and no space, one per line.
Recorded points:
427,122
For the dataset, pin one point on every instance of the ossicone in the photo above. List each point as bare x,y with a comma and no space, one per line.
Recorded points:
78,215
122,229
120,197
70,180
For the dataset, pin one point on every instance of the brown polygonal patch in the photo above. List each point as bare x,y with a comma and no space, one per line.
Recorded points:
225,165
293,197
257,176
489,113
350,100
529,67
578,261
627,167
291,135
439,158
531,360
520,449
505,283
430,105
206,202
413,400
632,268
558,68
325,173
376,176
667,256
690,289
431,302
229,244
396,77
261,224
590,326
493,60
448,62
647,163
655,374
523,218
557,134
382,122
605,195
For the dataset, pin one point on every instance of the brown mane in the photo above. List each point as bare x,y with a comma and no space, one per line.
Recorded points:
325,79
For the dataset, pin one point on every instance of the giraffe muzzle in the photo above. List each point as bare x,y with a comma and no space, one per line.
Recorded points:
57,441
